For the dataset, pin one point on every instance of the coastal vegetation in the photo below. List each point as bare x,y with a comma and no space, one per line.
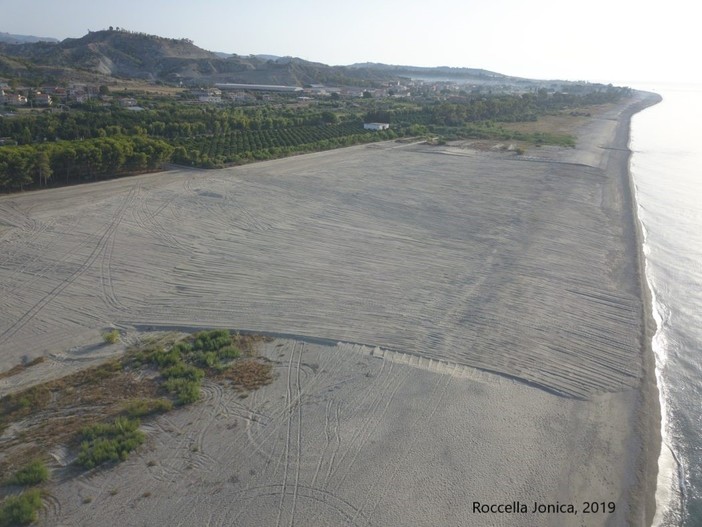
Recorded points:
95,141
96,412
34,473
103,442
138,407
111,337
21,509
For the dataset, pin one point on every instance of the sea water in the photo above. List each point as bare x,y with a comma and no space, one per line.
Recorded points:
666,166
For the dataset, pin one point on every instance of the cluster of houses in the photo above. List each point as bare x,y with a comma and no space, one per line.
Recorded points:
46,95
24,97
242,93
443,89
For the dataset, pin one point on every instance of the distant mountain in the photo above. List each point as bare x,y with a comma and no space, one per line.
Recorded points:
9,38
434,72
124,54
267,57
115,53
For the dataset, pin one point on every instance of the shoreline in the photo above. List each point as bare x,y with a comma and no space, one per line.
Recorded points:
648,416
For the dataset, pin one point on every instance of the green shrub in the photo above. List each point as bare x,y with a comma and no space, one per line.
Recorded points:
206,359
166,359
20,510
139,357
211,340
229,352
109,442
183,371
144,407
111,337
182,347
186,391
32,474
212,359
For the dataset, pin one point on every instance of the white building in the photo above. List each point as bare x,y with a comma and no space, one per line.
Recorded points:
376,126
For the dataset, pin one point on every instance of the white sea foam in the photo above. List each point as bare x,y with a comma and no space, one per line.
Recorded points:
665,167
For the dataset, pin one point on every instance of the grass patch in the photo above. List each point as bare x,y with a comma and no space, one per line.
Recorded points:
55,412
186,391
33,473
111,337
491,131
109,442
184,365
19,405
20,510
140,407
183,371
558,124
211,340
164,372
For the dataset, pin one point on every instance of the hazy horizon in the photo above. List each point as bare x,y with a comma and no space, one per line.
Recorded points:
599,41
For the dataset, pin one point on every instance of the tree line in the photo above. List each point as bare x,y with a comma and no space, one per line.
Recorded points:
66,162
93,142
166,120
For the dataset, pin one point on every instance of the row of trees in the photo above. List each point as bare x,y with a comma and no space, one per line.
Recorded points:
217,151
228,147
65,162
167,121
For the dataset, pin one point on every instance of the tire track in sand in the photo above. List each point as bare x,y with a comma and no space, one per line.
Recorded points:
149,223
51,510
92,257
25,238
289,405
376,414
350,514
383,481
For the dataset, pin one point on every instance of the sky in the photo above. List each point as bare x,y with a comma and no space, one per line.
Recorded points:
596,40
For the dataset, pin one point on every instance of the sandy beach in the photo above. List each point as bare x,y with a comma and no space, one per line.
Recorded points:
452,327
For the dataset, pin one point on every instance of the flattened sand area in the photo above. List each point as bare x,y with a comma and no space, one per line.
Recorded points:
453,263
